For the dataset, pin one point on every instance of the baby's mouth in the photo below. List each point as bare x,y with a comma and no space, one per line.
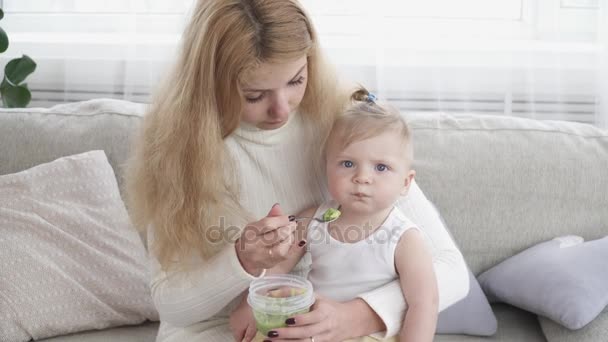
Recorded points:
360,194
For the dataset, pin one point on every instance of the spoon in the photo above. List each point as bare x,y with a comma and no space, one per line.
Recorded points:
330,215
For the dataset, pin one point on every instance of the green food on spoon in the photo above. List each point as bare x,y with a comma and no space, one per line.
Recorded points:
331,214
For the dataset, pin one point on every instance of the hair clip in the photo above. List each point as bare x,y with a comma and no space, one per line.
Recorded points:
371,98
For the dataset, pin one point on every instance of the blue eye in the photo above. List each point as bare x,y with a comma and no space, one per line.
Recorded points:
347,163
381,167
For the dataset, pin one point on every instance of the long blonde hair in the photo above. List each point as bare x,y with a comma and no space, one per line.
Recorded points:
180,178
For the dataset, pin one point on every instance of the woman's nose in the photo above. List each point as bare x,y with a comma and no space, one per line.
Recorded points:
280,105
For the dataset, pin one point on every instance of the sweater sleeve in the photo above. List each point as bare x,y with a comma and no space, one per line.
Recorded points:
184,298
449,265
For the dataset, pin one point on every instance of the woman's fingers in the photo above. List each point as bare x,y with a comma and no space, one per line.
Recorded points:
277,236
265,229
305,319
308,324
301,334
265,243
268,224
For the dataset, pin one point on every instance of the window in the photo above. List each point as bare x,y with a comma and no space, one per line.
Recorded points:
537,58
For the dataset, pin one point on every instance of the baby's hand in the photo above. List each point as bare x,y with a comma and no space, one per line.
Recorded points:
242,323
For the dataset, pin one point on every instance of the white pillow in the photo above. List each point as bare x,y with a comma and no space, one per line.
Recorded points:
70,259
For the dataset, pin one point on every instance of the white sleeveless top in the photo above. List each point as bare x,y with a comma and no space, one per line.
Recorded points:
342,270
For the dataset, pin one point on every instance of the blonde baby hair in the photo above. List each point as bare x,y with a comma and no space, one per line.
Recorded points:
367,118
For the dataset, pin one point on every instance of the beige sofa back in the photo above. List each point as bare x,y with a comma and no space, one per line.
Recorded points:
501,183
30,136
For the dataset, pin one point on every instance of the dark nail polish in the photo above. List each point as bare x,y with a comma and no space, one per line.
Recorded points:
267,341
302,243
273,333
292,218
290,321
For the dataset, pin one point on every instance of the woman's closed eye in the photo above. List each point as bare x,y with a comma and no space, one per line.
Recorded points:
296,82
292,83
254,99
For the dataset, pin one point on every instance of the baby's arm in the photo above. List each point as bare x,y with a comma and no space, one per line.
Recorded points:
414,265
296,252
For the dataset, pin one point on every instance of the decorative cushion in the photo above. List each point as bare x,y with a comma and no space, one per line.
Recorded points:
472,315
70,259
595,331
564,279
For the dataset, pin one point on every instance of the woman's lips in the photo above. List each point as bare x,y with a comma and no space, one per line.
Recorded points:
274,123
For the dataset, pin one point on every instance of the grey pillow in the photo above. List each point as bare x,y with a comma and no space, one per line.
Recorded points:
563,279
595,331
472,315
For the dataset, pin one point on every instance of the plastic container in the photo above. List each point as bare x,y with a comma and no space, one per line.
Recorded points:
275,298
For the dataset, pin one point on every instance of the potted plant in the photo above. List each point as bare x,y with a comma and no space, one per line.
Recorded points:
14,92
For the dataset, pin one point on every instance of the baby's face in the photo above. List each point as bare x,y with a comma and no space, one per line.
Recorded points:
369,175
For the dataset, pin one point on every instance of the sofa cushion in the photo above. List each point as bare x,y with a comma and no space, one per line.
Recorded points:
595,331
32,136
564,279
514,325
139,333
504,184
70,258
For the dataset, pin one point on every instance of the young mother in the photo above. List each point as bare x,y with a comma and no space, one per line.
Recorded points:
236,128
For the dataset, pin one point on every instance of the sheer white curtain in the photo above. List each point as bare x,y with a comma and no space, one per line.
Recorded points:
87,49
602,74
544,59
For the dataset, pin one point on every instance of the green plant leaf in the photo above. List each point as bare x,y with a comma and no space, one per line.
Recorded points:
3,40
15,96
18,69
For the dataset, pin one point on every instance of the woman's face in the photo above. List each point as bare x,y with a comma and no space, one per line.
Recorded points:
271,92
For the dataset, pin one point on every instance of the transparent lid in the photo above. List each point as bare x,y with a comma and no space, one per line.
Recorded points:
280,294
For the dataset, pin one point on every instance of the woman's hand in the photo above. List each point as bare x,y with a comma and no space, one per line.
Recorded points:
242,322
266,242
330,321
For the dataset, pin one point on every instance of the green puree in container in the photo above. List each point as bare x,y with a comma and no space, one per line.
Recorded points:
331,214
265,322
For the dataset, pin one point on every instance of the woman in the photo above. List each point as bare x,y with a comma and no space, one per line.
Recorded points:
235,128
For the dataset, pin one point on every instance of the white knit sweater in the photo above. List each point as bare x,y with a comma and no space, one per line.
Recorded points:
276,166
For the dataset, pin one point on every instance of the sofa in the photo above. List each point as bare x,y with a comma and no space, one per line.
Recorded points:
502,184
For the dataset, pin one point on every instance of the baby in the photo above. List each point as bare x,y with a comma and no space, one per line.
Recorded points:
368,156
